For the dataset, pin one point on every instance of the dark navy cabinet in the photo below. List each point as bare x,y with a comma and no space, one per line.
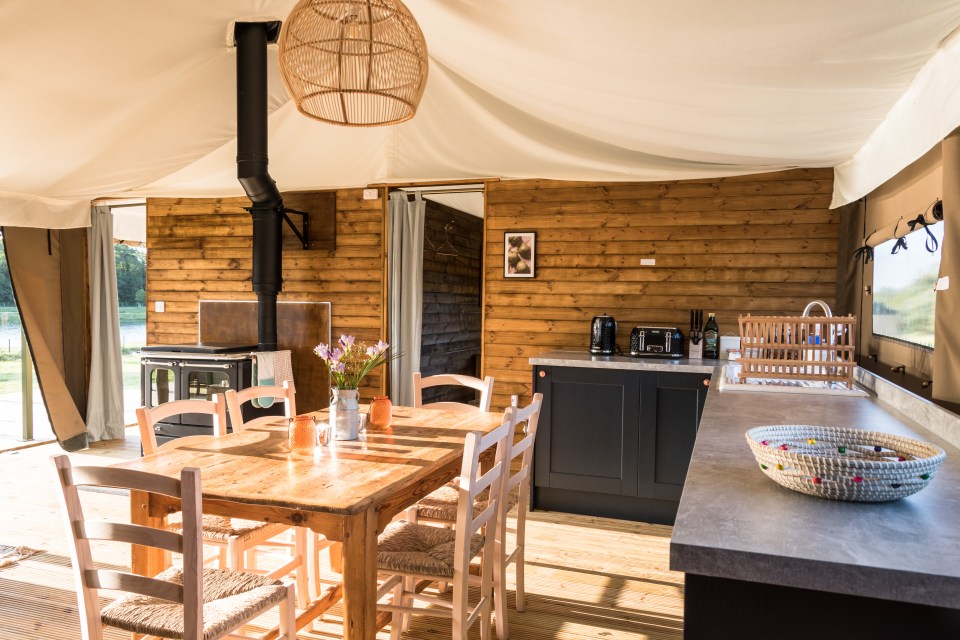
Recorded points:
590,440
615,442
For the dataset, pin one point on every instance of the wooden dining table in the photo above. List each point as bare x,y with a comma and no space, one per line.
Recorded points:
347,491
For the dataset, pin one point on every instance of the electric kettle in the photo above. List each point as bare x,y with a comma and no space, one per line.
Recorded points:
603,335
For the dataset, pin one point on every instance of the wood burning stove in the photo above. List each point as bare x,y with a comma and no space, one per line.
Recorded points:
195,372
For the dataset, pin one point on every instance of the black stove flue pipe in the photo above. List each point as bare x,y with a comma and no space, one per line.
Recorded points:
267,210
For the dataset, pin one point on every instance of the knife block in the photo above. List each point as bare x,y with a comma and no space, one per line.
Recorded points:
696,350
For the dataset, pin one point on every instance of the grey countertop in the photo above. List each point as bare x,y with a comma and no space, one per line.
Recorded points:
584,359
734,522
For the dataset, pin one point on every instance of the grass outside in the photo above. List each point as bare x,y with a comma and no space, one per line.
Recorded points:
10,374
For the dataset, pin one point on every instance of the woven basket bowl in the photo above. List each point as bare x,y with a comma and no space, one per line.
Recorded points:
844,464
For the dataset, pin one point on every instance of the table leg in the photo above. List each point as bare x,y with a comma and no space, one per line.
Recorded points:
360,576
146,561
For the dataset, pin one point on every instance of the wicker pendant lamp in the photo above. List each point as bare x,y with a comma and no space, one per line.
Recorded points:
359,64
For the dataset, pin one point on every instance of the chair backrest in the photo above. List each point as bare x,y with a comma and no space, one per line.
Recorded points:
236,399
80,531
485,387
147,418
530,415
473,483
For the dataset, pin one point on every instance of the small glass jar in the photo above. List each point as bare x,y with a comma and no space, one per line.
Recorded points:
324,434
381,412
302,434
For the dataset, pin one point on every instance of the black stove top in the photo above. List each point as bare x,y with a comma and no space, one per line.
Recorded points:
200,347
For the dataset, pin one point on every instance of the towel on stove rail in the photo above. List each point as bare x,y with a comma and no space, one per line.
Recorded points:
270,368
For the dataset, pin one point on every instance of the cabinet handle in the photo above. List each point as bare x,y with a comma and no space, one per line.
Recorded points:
543,374
706,382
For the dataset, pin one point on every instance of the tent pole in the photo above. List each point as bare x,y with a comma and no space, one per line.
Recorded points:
26,382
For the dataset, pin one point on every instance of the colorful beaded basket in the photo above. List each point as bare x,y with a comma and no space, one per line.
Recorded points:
844,464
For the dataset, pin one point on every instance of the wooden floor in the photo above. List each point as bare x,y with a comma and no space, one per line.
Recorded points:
586,577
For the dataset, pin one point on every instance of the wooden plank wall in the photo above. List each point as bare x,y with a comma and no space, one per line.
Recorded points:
201,248
451,298
762,244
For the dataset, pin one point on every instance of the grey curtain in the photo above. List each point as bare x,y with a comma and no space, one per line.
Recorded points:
405,237
105,393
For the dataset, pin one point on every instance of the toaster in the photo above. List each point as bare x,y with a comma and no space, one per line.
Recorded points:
663,342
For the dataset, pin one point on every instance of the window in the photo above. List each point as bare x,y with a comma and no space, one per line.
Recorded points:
903,288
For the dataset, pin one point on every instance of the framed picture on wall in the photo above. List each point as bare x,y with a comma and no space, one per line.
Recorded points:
519,254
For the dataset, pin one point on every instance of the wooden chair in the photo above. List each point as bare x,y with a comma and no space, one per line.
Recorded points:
191,602
233,537
287,392
442,506
485,387
236,399
409,552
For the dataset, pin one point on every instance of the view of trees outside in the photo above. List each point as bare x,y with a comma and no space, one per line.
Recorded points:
131,292
904,299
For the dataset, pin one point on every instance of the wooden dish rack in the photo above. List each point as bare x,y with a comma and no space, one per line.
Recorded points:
798,348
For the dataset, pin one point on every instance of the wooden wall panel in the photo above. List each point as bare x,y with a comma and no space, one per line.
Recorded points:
201,249
763,244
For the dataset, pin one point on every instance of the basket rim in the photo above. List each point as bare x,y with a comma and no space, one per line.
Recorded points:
936,453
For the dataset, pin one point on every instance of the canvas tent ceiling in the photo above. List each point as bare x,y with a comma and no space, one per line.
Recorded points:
118,98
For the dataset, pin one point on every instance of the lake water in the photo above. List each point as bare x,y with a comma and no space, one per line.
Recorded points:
131,335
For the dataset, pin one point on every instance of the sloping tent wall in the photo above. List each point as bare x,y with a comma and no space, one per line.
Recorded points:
47,272
618,90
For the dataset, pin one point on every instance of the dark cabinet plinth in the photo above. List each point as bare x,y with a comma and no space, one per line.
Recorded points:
613,442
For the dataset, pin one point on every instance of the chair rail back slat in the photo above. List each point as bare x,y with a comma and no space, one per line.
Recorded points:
132,583
129,533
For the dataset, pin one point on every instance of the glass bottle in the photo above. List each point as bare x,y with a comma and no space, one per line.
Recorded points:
711,338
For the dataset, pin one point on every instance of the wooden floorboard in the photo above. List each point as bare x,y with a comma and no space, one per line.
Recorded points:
587,577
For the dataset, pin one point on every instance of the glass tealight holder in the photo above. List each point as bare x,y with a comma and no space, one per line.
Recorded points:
302,434
324,434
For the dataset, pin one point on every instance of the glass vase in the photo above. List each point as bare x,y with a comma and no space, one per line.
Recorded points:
302,434
381,412
345,413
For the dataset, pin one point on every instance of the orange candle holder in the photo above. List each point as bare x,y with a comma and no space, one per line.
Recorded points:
302,434
381,412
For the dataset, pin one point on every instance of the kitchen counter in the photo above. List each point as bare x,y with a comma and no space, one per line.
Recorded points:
632,363
737,531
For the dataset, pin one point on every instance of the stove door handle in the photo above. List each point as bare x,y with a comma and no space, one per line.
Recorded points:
165,364
197,365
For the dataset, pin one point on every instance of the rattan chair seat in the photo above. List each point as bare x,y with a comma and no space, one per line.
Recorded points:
230,598
442,503
406,547
222,528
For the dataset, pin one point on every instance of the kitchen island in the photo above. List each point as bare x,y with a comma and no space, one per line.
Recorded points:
764,561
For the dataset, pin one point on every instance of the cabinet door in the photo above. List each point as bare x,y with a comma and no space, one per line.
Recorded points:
671,404
587,438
